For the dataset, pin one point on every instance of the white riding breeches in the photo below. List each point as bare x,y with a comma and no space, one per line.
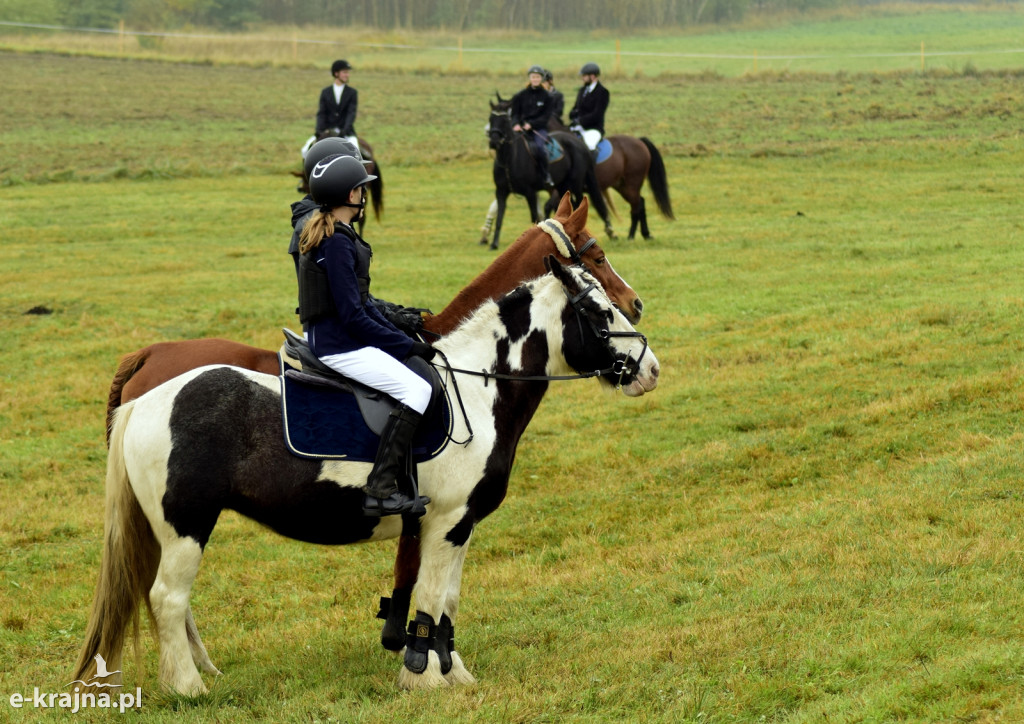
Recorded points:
377,369
590,136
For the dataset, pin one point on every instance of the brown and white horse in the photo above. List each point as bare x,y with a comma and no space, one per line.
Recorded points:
151,366
212,440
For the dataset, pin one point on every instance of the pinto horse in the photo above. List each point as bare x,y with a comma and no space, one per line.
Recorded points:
175,463
147,368
516,171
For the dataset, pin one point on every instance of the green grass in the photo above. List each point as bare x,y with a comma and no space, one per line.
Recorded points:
815,517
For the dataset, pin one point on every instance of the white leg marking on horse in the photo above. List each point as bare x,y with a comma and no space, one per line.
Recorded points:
429,679
179,563
199,655
459,675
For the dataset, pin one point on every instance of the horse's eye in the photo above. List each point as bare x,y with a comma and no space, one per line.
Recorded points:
600,261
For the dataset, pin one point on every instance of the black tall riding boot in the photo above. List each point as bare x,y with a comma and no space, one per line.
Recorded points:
542,161
383,496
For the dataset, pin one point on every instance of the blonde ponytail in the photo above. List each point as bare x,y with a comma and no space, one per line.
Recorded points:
318,228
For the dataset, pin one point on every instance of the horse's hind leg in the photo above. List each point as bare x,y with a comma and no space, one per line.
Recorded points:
644,231
199,655
179,564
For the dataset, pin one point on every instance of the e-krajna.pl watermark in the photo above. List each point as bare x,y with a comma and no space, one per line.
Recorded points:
77,700
82,697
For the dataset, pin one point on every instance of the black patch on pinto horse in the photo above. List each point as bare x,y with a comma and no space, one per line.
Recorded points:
514,313
211,468
514,405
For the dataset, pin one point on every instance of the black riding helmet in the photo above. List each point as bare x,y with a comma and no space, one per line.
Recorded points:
535,69
328,147
334,177
340,65
590,69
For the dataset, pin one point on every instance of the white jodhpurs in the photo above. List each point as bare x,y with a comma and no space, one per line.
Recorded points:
377,369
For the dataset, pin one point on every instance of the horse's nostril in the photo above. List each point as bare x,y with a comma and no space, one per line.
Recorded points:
638,305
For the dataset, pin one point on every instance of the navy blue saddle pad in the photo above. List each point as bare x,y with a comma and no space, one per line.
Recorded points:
325,423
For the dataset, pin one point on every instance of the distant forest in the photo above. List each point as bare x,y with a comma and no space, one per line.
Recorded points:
457,15
410,14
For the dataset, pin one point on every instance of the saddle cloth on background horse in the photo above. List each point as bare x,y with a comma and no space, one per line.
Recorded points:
331,417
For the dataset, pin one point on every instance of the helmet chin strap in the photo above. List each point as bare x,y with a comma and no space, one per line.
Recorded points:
361,205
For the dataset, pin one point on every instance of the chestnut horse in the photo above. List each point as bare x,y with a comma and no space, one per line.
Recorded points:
147,368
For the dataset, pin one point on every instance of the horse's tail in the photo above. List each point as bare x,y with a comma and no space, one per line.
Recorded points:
377,191
126,369
608,201
658,179
128,568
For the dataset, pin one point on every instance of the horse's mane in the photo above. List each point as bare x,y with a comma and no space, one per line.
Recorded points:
504,267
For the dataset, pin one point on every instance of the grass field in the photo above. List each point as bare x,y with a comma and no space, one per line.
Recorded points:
816,517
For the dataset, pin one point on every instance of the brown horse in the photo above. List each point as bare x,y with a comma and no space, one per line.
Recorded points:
143,370
633,159
375,187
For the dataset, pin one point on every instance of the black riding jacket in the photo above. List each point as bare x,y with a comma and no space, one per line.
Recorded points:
531,105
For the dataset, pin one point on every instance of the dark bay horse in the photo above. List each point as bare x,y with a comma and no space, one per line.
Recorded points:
212,440
516,171
149,367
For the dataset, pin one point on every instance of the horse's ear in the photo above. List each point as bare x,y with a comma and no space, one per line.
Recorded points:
578,219
564,206
558,270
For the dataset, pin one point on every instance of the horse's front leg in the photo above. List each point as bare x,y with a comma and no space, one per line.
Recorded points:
502,199
485,230
452,667
395,610
439,559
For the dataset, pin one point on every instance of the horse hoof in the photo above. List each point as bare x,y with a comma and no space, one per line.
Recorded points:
483,241
494,247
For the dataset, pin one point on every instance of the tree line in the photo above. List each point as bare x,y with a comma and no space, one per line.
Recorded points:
457,15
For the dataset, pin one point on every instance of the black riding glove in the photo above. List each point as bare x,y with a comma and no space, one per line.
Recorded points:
422,349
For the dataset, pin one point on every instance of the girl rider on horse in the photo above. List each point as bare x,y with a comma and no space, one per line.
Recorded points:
530,111
348,334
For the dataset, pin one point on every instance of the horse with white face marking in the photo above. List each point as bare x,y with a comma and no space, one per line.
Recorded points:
212,439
